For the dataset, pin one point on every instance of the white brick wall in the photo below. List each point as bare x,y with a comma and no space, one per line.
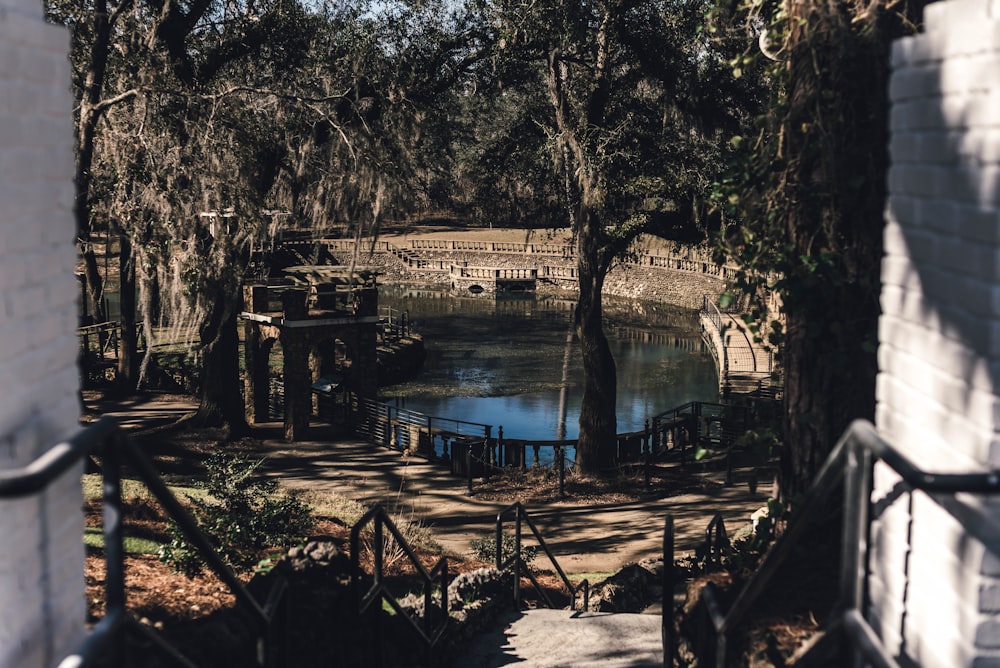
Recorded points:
41,554
935,592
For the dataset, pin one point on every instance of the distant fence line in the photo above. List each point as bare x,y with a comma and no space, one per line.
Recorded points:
475,450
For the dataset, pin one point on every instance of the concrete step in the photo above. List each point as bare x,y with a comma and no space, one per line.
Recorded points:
545,638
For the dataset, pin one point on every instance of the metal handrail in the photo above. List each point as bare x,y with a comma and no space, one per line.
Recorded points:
378,592
520,567
851,462
106,439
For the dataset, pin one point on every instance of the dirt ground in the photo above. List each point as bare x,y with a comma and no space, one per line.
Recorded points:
158,596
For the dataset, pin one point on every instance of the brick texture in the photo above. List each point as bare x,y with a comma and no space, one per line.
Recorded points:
41,556
934,589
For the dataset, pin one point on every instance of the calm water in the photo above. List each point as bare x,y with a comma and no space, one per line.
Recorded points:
501,361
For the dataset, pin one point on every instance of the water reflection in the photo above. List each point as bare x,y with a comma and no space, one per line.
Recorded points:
502,361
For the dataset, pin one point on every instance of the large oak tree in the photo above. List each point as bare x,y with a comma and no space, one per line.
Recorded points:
640,110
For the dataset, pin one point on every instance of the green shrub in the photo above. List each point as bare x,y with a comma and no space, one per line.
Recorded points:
485,549
243,515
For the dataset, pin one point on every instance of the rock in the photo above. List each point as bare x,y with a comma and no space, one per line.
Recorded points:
317,554
482,583
629,590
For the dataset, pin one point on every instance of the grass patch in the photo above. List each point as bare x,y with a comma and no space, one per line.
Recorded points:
135,489
94,537
333,505
593,578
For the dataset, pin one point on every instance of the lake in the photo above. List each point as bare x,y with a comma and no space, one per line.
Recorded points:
506,361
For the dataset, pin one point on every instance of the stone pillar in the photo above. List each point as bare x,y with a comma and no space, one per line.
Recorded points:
298,381
364,356
293,304
297,377
257,377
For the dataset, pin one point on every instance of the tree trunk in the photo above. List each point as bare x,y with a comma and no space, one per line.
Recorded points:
94,283
836,128
128,359
596,447
221,388
86,130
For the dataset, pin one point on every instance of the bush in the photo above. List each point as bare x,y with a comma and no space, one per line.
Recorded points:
244,515
414,533
485,549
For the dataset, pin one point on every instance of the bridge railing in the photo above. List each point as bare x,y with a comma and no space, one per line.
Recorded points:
102,341
698,423
107,640
473,451
403,429
494,273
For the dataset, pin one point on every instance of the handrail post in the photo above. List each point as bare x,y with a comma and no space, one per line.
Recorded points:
430,437
647,449
857,486
114,548
667,613
562,471
468,467
517,555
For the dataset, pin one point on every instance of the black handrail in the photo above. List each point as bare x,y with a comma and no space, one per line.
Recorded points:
669,638
106,439
851,462
378,592
520,567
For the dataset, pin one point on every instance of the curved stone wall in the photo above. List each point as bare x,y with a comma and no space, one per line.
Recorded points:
680,278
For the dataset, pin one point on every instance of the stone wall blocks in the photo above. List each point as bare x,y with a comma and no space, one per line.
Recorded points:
893,234
979,223
939,217
970,74
984,147
989,186
938,148
961,325
913,83
899,270
903,147
945,16
61,291
922,49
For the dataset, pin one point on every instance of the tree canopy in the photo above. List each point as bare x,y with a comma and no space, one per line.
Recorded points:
640,111
198,119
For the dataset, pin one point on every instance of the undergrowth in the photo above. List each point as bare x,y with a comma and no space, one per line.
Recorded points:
243,515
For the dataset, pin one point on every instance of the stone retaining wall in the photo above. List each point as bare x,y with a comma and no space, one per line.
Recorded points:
671,286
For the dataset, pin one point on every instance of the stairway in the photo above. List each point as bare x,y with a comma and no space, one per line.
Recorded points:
544,638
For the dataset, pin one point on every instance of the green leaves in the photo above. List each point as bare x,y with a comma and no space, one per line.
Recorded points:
244,515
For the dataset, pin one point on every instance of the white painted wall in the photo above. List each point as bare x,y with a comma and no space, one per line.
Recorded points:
935,592
41,554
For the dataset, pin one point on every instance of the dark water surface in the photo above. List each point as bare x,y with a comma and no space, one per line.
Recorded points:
501,361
